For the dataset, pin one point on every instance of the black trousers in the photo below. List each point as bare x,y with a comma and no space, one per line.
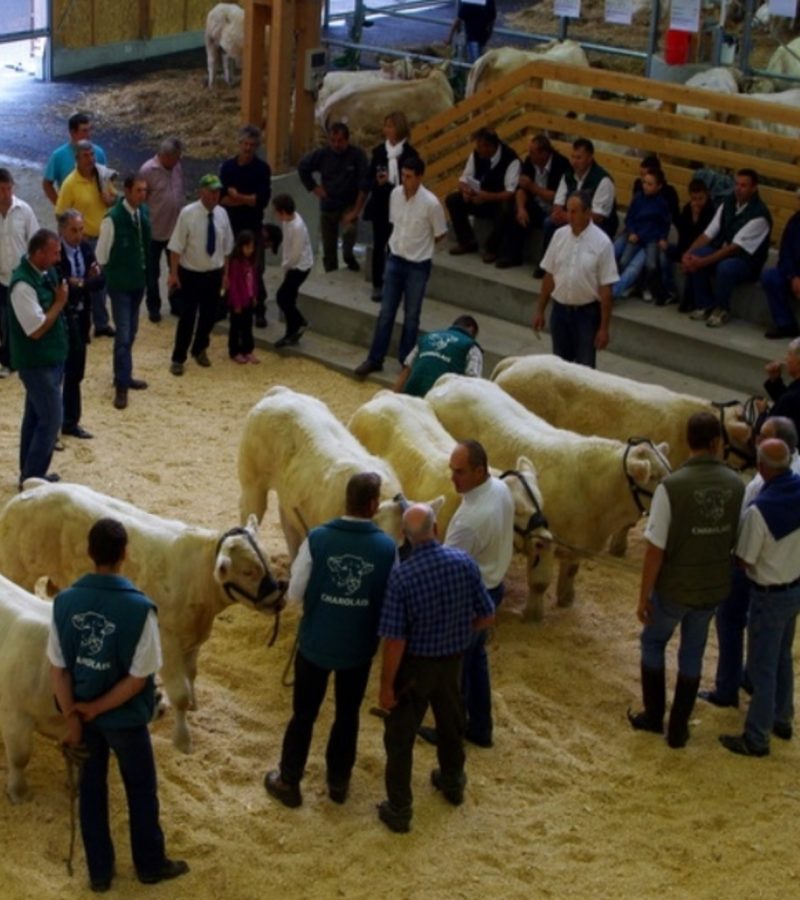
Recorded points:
287,298
199,299
310,684
422,681
330,222
74,369
460,211
240,333
513,234
153,294
5,351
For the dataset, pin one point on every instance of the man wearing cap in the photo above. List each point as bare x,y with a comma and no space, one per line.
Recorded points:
123,253
200,247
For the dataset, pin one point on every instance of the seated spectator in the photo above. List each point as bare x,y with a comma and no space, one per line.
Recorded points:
383,174
782,284
668,192
540,175
487,185
693,220
455,349
786,397
645,236
732,250
587,176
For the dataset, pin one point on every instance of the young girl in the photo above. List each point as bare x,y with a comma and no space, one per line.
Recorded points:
242,274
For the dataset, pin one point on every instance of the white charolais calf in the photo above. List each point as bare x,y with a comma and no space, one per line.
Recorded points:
293,444
224,34
191,574
593,486
26,697
405,431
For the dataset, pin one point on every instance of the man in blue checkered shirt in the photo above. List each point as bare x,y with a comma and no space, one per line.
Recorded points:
434,604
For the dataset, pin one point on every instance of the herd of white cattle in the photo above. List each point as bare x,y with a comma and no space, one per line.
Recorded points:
563,433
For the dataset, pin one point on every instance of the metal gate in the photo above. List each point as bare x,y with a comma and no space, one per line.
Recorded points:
27,20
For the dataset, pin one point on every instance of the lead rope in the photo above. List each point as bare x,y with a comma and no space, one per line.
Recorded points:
74,757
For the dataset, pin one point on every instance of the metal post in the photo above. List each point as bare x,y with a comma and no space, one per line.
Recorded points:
563,25
652,36
747,38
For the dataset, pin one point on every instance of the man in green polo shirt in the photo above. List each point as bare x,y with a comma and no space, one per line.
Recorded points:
38,343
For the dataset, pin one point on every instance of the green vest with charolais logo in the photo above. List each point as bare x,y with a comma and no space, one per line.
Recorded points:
438,352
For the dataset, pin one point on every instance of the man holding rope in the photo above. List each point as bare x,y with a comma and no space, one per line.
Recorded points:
104,649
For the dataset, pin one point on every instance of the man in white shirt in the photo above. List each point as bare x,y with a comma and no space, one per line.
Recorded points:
483,526
418,222
732,250
579,271
769,548
201,246
17,226
485,190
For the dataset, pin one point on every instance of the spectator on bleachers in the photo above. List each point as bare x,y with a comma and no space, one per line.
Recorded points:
668,192
782,284
540,175
732,250
638,248
693,220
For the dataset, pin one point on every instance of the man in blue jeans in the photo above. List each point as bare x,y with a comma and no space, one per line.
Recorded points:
769,548
39,346
104,651
732,250
690,533
123,251
418,222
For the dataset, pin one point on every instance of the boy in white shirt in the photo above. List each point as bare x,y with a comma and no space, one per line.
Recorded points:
297,258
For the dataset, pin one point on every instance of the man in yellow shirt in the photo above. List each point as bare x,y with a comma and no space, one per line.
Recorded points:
86,191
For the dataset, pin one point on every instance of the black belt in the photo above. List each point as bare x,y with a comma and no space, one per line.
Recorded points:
776,588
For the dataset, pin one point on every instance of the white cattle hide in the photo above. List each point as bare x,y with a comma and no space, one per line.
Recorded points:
183,569
404,431
586,481
224,35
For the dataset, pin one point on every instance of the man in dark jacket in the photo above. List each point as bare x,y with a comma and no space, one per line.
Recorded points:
786,397
342,171
782,284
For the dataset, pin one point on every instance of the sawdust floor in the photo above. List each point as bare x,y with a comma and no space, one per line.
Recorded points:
569,803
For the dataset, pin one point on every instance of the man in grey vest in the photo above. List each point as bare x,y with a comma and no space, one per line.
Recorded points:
690,534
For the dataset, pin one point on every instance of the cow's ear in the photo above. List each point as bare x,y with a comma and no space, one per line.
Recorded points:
639,470
437,504
663,448
252,523
525,465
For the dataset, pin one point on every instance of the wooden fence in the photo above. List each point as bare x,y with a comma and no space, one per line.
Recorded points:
518,106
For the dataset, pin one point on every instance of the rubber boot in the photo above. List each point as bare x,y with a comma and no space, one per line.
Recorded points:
682,706
654,694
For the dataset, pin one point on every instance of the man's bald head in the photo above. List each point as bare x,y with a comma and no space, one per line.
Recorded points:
419,523
774,458
782,428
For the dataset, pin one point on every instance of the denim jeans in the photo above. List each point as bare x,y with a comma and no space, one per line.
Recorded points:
665,618
731,621
476,683
406,281
573,330
714,285
779,297
310,684
41,419
125,307
134,754
771,627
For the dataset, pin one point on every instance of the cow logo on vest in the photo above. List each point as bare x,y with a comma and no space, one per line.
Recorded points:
93,628
712,505
440,342
348,571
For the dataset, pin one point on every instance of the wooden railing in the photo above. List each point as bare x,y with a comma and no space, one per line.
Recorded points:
518,106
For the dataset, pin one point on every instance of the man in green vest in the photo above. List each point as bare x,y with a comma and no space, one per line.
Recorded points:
455,349
38,344
691,531
104,650
123,250
732,250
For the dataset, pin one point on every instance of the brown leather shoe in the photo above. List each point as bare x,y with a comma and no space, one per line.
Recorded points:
461,249
489,257
121,398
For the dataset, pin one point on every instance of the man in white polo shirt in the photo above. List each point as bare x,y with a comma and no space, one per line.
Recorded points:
579,271
418,222
483,526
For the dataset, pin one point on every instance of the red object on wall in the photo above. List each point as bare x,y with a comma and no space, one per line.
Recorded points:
676,47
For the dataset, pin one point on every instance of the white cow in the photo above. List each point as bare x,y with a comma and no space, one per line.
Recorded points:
224,33
26,696
190,573
403,69
404,430
495,64
364,104
790,99
294,445
785,61
591,484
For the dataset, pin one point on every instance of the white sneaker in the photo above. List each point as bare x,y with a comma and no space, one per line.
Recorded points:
4,372
697,315
717,318
647,296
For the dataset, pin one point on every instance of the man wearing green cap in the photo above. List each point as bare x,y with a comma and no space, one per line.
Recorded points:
200,247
